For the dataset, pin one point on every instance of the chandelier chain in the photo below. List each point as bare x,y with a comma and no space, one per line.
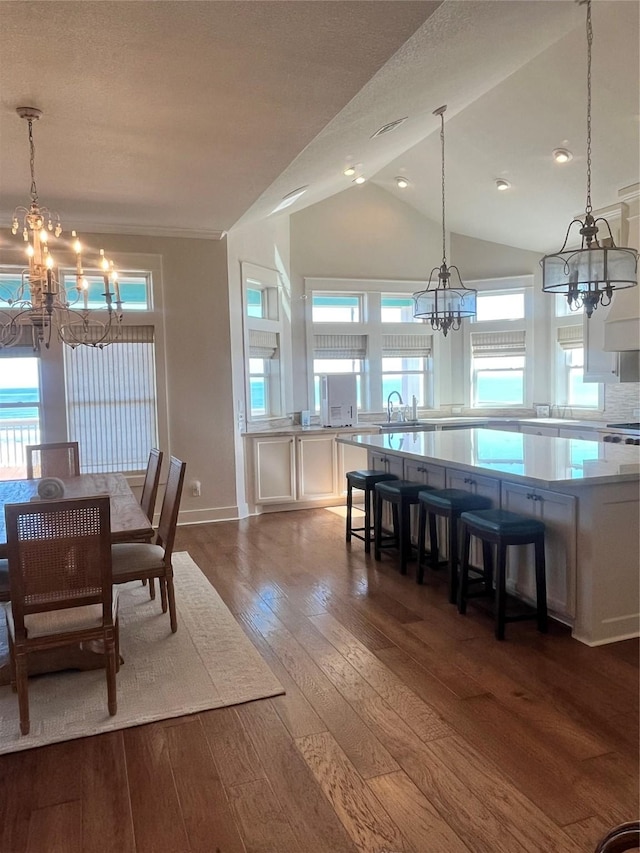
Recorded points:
32,163
444,244
589,43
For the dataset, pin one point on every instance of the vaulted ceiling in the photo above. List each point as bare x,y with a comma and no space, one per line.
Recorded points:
192,117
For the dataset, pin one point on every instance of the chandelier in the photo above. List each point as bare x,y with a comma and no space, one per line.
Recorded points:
442,305
42,300
589,275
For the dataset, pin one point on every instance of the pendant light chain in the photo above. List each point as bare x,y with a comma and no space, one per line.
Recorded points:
589,43
444,243
32,162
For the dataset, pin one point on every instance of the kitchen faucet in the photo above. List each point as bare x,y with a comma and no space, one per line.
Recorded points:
389,404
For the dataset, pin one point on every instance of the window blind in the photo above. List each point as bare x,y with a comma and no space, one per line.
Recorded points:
399,346
111,401
498,343
570,337
340,346
262,344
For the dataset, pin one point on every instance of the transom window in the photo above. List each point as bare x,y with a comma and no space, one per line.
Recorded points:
397,309
336,308
499,305
134,291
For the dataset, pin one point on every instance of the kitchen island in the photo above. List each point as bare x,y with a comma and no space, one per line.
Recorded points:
587,493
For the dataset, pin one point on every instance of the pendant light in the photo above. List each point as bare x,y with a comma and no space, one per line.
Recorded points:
589,275
441,305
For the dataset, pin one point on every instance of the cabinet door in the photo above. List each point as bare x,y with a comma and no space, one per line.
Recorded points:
274,469
559,514
599,366
316,464
477,484
575,432
384,462
434,476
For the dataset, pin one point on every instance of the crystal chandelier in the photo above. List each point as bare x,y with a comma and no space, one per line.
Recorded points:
589,275
441,305
41,301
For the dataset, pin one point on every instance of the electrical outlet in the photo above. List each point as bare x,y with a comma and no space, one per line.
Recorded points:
195,488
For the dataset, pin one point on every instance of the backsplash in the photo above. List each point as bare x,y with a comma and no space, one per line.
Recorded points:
620,402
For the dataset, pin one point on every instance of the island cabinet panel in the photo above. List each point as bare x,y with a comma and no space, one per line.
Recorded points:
436,477
386,462
317,472
274,469
477,484
560,517
351,457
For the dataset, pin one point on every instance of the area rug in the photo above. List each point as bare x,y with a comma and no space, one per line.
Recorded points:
208,663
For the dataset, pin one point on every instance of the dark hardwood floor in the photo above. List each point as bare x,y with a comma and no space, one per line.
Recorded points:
405,727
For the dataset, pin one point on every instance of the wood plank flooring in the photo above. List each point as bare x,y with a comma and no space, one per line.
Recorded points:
404,727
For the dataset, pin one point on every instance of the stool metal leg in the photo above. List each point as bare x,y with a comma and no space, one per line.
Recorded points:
541,585
501,590
349,504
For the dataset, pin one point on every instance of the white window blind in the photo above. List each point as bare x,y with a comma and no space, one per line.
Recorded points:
407,346
498,343
111,401
340,346
262,344
570,337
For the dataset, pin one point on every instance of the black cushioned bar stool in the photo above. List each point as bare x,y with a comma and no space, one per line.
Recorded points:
402,495
501,528
450,504
364,480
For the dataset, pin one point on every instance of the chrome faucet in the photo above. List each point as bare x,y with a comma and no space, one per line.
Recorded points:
389,404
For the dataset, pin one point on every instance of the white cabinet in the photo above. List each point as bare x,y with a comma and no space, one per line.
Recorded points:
559,514
316,466
576,432
424,472
274,469
530,429
477,484
599,366
383,462
351,457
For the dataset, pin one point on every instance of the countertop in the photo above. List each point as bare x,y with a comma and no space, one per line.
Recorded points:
539,460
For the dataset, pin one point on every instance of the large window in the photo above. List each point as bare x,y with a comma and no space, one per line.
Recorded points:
339,354
572,390
498,369
405,367
19,409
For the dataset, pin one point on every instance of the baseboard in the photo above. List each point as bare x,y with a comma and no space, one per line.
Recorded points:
205,516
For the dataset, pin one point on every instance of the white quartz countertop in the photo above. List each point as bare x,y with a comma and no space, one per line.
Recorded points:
542,460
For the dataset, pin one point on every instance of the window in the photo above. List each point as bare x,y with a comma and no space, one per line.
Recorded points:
111,401
405,367
338,354
572,389
135,290
264,374
497,368
336,308
499,305
563,309
255,302
397,309
19,409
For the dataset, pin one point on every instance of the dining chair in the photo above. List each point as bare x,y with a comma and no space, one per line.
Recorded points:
149,495
140,560
60,459
59,555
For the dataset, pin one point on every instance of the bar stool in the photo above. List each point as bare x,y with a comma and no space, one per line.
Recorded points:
502,528
402,495
364,480
449,504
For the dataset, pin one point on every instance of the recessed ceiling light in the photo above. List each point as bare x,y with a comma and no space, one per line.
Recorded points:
502,185
350,170
403,183
562,155
289,199
360,179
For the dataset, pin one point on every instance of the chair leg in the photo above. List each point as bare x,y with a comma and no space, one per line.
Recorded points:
172,600
152,589
541,586
349,505
487,563
377,526
422,527
464,572
453,559
163,594
110,655
368,493
404,534
433,540
23,691
117,642
501,590
12,664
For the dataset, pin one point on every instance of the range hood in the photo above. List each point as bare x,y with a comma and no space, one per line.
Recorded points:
622,325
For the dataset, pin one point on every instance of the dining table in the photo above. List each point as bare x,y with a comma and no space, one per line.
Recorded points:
128,523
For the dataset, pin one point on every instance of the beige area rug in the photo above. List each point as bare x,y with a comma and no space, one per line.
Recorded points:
208,663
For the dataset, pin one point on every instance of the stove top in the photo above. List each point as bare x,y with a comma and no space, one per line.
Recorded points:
624,426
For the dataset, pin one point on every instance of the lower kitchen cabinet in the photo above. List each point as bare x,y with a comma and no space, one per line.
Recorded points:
476,484
274,469
389,463
559,514
316,466
351,457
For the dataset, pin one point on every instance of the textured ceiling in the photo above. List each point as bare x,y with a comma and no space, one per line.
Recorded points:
192,117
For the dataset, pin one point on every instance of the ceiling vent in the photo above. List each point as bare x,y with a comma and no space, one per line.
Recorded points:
387,128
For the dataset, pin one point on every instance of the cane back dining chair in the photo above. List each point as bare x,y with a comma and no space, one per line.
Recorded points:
60,459
144,561
59,555
149,495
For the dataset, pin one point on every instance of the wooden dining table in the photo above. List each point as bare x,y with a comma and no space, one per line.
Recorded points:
128,523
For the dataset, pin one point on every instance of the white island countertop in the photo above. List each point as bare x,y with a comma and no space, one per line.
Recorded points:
545,461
